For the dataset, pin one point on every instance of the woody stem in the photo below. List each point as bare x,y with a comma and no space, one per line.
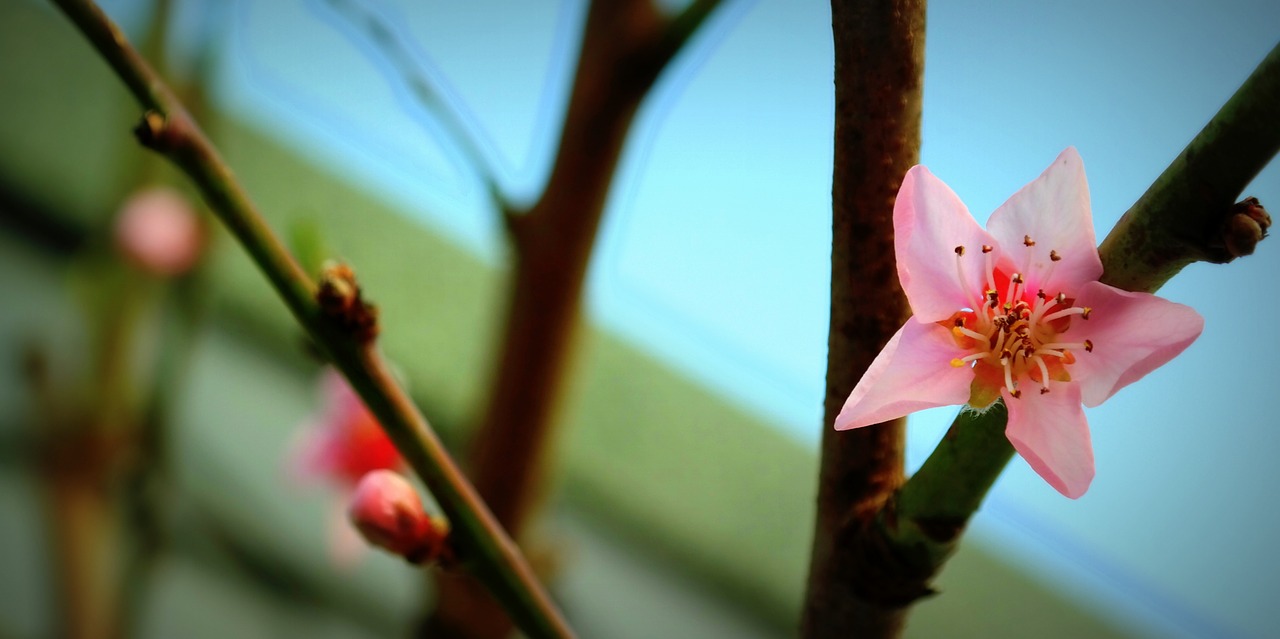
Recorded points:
168,129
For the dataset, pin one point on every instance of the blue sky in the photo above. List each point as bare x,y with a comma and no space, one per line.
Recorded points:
715,249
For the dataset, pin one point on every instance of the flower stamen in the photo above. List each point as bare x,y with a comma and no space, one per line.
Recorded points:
1054,258
1015,284
961,330
1044,374
991,271
1026,261
1020,334
1082,311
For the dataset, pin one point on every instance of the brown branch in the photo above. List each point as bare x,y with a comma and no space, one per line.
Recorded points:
626,45
879,63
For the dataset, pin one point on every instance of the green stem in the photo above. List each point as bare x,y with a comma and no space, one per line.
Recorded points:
1176,222
169,130
148,497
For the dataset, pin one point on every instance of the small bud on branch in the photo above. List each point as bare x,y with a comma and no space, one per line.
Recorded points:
387,511
340,300
1244,227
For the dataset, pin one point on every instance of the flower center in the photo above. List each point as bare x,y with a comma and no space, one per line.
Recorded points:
1012,334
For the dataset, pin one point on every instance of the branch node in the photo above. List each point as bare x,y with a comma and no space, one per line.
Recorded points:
150,131
340,300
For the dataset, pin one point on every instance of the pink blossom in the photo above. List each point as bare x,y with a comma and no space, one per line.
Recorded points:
158,230
346,442
1015,311
388,512
341,447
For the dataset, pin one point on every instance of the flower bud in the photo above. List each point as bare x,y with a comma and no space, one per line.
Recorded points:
1245,227
387,511
158,231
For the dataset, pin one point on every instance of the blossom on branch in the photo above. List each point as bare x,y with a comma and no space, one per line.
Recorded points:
1015,311
388,512
341,447
346,442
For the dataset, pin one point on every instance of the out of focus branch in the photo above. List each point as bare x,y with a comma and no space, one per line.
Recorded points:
168,129
423,89
626,45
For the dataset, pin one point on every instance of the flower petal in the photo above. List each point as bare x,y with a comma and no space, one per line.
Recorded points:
912,373
929,222
1132,335
1054,211
1050,431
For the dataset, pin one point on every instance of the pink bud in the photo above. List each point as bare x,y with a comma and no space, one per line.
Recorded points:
387,511
158,230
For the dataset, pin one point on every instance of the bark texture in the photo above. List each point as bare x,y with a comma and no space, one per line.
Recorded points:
856,587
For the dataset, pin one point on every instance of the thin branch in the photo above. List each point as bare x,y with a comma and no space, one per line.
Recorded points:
1179,219
683,26
422,88
169,130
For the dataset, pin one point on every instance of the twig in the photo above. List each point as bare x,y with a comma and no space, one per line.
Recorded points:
422,88
169,130
1179,219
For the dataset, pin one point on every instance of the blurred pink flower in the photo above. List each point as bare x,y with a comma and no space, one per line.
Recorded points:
340,448
159,231
347,442
1015,312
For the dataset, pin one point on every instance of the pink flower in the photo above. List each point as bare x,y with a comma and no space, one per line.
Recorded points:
1015,311
388,512
347,442
158,230
341,447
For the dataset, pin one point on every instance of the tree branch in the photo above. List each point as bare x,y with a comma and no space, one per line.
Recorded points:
879,64
168,129
626,45
423,89
1179,220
